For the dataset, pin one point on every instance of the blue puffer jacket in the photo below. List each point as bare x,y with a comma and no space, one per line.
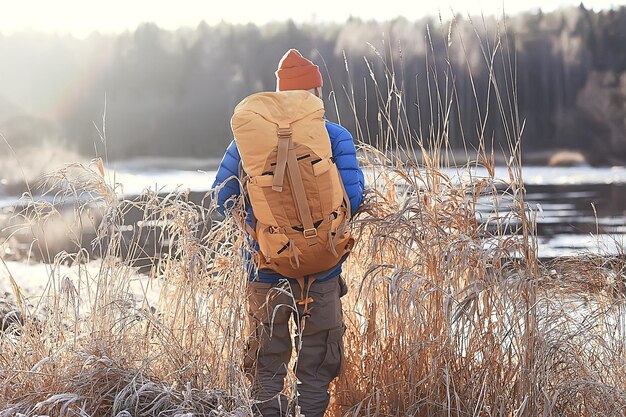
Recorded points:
344,153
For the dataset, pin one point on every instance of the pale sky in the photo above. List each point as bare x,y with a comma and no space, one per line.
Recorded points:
81,17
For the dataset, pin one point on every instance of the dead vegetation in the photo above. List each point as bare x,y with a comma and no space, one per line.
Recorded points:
448,314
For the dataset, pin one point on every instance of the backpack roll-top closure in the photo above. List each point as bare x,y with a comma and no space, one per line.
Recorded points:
257,118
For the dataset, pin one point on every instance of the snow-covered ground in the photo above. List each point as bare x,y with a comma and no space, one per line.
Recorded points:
37,280
573,244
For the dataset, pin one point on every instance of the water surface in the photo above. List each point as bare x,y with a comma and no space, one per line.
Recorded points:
578,210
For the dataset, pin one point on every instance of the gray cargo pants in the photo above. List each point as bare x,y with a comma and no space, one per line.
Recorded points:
320,359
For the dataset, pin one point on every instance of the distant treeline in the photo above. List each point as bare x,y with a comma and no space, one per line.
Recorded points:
172,93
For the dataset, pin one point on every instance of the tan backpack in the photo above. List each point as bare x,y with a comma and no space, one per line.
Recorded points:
298,199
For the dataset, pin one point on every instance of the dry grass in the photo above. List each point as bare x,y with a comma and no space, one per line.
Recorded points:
447,315
446,318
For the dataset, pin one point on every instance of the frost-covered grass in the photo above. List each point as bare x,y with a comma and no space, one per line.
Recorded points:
446,316
437,321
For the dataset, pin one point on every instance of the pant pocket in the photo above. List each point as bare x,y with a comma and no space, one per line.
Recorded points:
332,365
261,301
326,313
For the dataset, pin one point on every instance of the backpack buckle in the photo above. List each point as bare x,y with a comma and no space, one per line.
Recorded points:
284,132
310,233
274,229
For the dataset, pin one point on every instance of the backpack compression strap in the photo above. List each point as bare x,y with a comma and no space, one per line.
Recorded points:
284,143
302,203
286,156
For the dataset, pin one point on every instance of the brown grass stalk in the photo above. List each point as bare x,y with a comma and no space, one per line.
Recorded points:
448,314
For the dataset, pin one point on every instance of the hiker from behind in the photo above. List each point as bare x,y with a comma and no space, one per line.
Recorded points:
300,175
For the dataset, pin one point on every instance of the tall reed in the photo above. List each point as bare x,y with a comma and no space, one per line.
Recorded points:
448,314
454,314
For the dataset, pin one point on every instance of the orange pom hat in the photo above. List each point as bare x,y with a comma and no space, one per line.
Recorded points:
295,72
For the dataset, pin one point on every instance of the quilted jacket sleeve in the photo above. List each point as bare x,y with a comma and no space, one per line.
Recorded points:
226,183
344,153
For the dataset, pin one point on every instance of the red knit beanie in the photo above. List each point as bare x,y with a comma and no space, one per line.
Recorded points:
297,73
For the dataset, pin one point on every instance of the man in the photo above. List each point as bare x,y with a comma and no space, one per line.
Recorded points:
320,336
